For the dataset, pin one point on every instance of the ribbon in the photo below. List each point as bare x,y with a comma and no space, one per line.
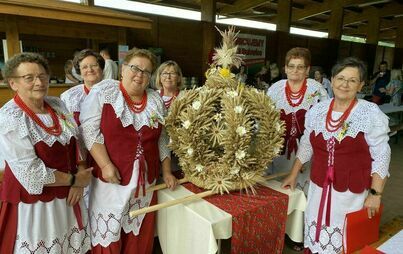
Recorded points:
141,182
326,189
77,213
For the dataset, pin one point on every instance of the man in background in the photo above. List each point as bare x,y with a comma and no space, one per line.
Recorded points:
380,80
111,68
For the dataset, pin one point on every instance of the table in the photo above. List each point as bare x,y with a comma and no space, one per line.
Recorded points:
389,108
198,226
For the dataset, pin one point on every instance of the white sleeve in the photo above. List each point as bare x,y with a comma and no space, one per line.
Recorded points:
90,119
163,145
305,151
108,70
27,168
323,94
377,139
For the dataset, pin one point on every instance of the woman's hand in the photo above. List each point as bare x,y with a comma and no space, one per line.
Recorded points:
372,203
83,177
290,181
75,194
170,180
111,174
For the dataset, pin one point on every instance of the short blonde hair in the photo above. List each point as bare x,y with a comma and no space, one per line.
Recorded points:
162,68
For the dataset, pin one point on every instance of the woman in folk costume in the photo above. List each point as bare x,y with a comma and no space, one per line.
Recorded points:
89,64
169,82
42,209
121,125
293,97
347,141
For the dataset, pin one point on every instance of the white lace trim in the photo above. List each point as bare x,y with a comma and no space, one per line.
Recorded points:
330,239
314,93
12,118
109,208
74,97
364,116
55,233
108,92
33,175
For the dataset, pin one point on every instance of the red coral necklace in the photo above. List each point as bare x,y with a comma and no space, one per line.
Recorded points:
136,107
168,102
333,125
290,95
54,130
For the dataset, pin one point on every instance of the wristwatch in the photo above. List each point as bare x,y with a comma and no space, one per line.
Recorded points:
374,192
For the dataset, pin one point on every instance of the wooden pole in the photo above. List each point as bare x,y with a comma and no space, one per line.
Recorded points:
189,198
163,185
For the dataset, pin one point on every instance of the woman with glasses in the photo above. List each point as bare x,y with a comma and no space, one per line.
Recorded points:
293,97
44,175
89,64
121,123
169,81
347,141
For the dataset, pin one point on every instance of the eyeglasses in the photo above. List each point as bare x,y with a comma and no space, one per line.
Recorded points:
136,70
169,74
89,66
297,67
30,79
352,81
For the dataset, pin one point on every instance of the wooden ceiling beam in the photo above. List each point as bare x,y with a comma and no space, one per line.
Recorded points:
352,18
241,5
65,11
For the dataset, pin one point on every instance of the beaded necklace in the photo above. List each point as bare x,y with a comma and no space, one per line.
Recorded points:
136,107
168,102
290,95
54,130
333,125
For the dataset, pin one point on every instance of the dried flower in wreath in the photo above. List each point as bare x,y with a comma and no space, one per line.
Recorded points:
224,133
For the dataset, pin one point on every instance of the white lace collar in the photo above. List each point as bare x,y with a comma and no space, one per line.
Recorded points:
12,118
312,95
74,97
364,116
153,113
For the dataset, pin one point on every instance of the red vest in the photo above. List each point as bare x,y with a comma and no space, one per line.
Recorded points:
122,143
290,142
59,157
352,163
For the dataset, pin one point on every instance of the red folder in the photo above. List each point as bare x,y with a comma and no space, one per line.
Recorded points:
360,230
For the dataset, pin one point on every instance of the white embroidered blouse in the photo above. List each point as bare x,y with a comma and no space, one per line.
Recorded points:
108,92
19,133
366,117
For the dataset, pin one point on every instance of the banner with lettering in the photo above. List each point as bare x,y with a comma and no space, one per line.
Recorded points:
253,47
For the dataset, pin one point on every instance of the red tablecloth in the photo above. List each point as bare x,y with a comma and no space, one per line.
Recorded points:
258,221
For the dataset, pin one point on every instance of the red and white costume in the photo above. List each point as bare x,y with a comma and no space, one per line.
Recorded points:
294,118
35,218
343,162
73,98
136,143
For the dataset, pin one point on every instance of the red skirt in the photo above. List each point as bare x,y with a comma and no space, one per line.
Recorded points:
8,227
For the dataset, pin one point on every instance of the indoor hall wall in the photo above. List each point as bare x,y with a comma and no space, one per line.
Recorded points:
182,39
